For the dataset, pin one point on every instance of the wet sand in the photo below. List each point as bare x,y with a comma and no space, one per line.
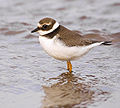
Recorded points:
29,78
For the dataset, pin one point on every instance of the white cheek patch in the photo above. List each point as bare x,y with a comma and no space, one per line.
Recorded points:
56,25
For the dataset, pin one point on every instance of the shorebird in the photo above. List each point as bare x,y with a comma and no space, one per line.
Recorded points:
62,43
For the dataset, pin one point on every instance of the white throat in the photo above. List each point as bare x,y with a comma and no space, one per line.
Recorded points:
56,25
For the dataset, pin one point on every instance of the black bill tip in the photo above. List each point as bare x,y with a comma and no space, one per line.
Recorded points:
35,30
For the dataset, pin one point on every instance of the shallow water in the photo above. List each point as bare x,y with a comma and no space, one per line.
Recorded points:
29,78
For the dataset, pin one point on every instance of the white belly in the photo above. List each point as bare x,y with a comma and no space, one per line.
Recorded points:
59,51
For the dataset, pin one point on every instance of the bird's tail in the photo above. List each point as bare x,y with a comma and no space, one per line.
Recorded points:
107,43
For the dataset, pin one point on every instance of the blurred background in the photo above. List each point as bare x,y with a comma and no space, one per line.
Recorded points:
29,78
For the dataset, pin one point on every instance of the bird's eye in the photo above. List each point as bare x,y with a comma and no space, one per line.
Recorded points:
44,26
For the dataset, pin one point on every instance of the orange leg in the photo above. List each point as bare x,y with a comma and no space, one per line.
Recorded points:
69,66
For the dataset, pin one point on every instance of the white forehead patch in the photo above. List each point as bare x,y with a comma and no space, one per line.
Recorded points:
56,25
39,25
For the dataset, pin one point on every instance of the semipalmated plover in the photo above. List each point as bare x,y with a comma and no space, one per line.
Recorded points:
62,43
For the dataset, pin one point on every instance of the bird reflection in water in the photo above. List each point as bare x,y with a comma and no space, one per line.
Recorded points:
67,92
